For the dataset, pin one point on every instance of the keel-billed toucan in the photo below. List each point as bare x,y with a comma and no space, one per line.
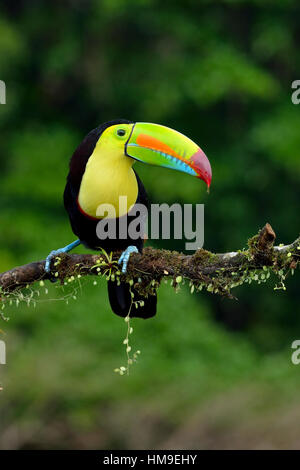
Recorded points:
101,171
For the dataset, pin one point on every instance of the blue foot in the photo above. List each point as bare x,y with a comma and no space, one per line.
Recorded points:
124,258
54,253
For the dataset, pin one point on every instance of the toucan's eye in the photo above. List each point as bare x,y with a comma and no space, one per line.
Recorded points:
121,132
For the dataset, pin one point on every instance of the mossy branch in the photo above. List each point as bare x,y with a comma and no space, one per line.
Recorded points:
218,273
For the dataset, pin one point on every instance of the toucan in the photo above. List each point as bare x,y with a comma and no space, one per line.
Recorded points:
101,171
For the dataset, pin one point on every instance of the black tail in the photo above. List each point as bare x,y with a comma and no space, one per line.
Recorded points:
120,301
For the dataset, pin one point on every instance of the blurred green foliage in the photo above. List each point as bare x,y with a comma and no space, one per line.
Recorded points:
221,73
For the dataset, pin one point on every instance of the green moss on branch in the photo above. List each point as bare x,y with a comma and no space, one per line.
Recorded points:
218,273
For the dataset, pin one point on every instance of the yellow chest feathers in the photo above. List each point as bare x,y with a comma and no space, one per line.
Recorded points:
108,175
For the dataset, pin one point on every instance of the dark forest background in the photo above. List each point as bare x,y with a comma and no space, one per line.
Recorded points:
212,373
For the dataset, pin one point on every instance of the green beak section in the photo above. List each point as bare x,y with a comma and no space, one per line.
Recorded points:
161,146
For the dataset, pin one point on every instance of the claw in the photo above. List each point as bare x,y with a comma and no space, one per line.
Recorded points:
50,257
124,258
54,253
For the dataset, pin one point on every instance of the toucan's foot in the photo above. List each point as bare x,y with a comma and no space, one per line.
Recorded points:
49,258
58,252
124,258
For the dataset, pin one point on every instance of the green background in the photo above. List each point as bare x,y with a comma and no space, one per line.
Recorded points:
213,373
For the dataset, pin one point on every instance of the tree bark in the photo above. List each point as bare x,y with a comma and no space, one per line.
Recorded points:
215,271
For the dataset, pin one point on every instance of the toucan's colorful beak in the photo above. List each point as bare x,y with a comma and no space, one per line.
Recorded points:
162,146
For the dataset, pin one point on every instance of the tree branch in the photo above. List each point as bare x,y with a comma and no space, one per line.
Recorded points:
219,273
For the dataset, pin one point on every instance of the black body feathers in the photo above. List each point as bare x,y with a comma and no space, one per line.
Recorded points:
85,227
